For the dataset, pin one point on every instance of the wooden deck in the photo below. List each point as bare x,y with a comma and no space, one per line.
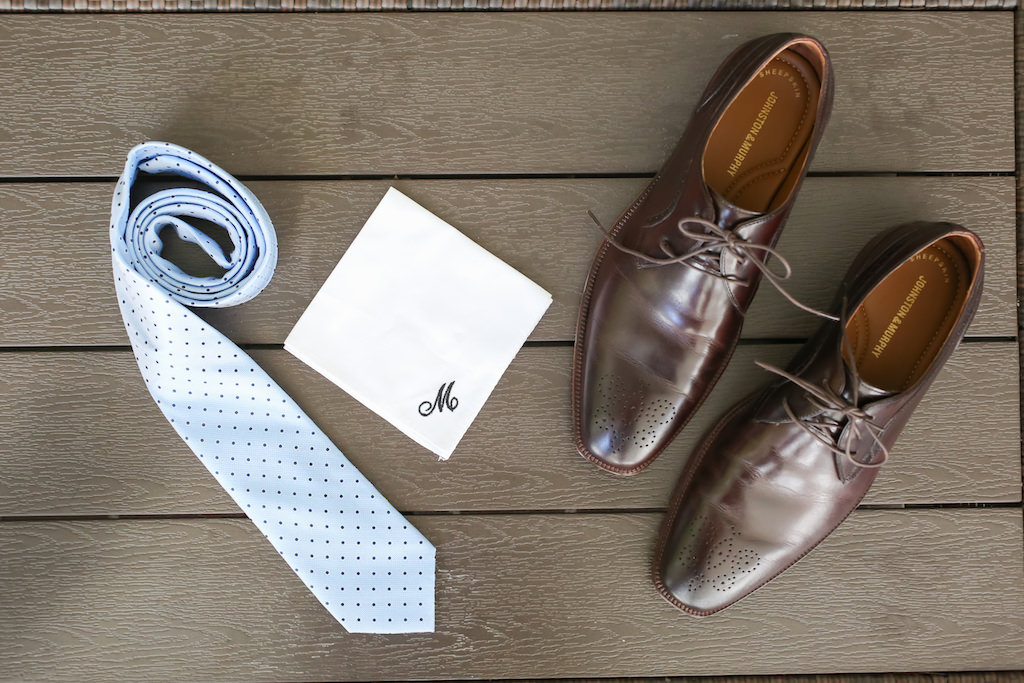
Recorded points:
122,559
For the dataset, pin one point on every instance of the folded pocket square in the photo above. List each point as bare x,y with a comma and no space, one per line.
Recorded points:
418,323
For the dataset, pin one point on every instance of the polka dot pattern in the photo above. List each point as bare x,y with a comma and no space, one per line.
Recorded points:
368,566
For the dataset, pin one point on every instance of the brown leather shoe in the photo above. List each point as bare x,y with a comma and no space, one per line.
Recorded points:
784,467
667,292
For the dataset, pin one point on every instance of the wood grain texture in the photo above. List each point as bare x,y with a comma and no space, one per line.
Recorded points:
83,437
524,595
517,596
57,286
948,677
389,5
1018,60
479,93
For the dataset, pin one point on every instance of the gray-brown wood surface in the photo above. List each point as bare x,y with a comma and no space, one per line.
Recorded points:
533,595
372,5
121,558
539,226
961,447
505,93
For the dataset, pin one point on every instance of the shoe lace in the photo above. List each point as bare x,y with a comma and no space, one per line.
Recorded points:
712,242
825,428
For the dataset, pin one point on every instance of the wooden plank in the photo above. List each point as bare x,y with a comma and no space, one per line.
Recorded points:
950,677
480,93
57,288
82,437
518,596
446,5
1018,60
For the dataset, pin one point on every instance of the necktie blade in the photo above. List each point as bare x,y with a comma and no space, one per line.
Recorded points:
355,552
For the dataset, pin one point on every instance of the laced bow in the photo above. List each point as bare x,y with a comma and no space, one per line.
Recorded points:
712,241
825,399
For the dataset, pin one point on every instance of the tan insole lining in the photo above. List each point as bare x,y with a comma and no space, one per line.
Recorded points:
901,325
761,139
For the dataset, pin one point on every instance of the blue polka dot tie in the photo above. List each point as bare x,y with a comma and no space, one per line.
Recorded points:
368,566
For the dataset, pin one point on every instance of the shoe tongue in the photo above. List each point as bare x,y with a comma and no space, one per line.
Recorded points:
839,378
729,214
872,393
865,392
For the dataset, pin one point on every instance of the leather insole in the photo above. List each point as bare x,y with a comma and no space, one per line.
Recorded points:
900,326
761,137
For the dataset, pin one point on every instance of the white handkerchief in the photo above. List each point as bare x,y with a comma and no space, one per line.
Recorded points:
418,323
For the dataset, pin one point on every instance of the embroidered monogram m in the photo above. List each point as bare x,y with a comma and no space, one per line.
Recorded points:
444,399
